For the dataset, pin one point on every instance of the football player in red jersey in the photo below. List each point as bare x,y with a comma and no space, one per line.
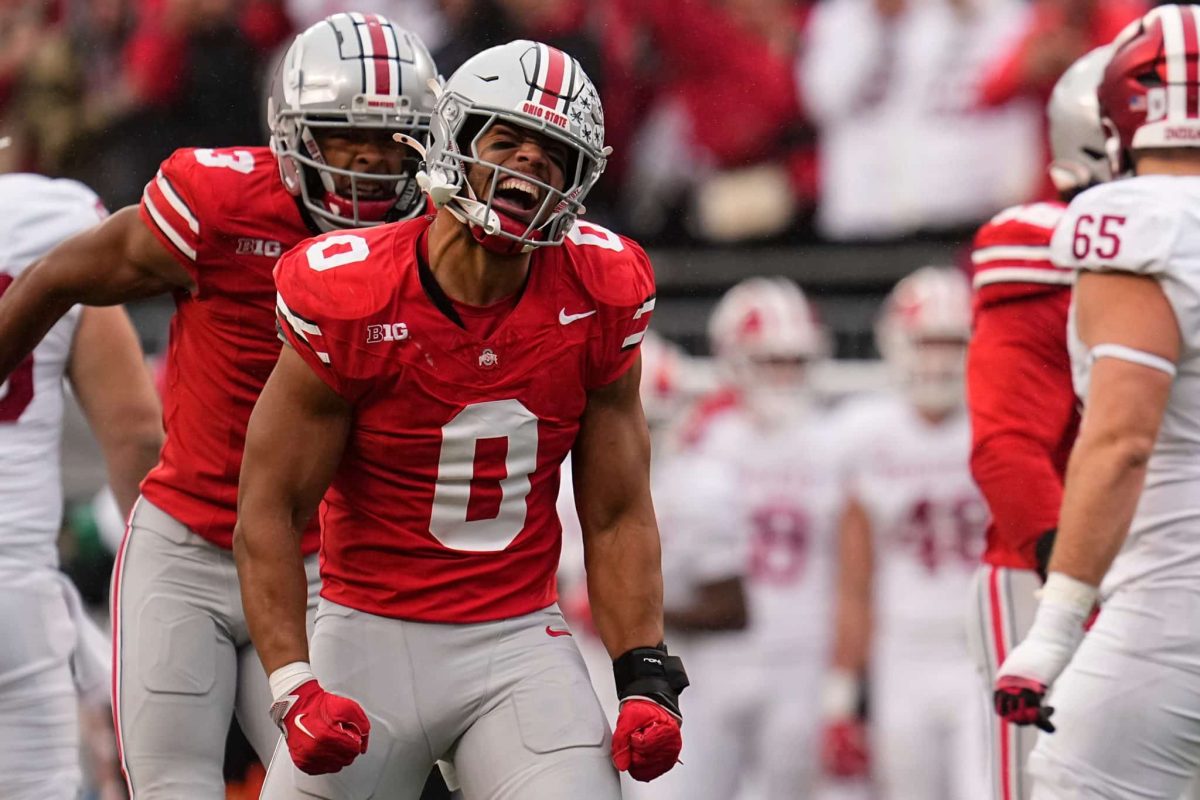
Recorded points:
438,372
209,229
1022,405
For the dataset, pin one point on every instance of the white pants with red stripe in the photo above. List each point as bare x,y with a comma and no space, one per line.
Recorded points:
1003,602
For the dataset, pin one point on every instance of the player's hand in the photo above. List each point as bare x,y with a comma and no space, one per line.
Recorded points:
844,751
324,731
1020,701
647,740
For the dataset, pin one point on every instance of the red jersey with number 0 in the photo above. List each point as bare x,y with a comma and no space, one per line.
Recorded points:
1022,404
226,217
443,507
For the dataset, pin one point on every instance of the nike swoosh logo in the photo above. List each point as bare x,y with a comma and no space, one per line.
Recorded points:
300,725
550,632
566,319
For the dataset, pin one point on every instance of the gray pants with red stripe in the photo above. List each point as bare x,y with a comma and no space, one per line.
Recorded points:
1003,603
183,662
508,703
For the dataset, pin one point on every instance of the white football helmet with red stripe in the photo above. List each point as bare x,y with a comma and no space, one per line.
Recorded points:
350,71
764,334
923,333
1077,138
532,86
1150,94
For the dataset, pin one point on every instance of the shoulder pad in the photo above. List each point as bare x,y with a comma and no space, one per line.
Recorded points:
615,270
1014,248
1129,225
36,213
341,275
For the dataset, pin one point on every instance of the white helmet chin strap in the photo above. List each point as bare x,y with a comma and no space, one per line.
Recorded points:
467,210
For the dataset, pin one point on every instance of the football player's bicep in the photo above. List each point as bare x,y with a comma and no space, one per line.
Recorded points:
294,443
611,457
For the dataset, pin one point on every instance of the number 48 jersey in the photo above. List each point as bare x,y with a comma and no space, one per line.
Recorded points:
443,507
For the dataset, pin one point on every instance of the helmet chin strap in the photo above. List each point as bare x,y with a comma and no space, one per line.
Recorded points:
484,223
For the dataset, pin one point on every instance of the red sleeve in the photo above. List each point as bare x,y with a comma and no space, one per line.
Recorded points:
325,288
172,204
1023,415
623,285
1010,258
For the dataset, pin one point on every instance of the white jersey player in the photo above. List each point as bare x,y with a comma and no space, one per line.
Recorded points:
1125,699
51,655
748,517
911,539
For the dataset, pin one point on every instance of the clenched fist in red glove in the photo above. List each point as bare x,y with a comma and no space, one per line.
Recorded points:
324,731
844,751
647,740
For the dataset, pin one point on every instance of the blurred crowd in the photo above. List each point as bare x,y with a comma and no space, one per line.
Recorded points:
731,120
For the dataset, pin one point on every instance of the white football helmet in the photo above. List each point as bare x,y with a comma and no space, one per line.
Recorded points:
531,86
1077,136
923,333
350,71
764,334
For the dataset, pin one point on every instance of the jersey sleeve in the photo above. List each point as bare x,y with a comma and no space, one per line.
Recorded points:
704,536
1011,255
172,207
326,287
1123,226
622,283
1023,415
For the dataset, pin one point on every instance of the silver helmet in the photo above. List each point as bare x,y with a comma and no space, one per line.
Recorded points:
1077,136
359,71
532,86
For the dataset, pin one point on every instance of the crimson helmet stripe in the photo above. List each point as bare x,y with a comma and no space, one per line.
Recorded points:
393,53
552,83
1172,23
379,54
1191,37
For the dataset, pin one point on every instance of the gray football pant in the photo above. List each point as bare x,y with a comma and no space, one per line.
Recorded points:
184,662
507,703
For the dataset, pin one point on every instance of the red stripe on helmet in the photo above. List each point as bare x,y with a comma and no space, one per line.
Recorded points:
383,83
555,70
1191,44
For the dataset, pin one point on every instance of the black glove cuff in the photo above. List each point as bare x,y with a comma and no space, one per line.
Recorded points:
1042,550
650,672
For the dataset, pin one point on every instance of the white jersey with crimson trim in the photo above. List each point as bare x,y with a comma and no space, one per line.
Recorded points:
1150,225
787,498
36,213
927,516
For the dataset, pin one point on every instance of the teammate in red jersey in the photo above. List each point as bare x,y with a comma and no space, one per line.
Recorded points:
438,373
1022,404
209,229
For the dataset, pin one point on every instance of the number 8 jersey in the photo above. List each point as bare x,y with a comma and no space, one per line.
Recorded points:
443,507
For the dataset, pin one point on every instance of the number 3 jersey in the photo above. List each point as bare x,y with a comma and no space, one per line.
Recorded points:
1150,226
226,217
927,517
443,507
36,214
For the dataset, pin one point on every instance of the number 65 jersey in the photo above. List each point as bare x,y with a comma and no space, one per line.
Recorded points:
1150,226
443,507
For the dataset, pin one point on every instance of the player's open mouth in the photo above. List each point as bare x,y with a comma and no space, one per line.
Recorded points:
516,198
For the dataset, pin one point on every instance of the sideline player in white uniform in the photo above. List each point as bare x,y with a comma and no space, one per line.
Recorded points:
911,538
1024,414
1126,696
749,514
49,655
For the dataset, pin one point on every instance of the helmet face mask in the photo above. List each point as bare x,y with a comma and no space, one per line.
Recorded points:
331,80
922,335
532,88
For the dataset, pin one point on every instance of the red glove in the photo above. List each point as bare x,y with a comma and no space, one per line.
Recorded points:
324,731
844,751
647,740
1019,701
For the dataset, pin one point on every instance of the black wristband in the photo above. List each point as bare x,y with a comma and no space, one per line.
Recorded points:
650,672
1042,550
